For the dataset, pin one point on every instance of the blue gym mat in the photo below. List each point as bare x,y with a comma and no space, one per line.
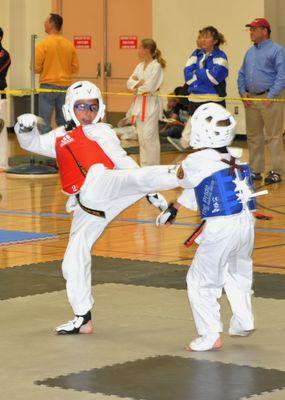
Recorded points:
14,237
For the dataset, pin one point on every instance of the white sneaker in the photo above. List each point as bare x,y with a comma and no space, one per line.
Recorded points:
237,330
127,132
176,143
130,133
157,200
212,341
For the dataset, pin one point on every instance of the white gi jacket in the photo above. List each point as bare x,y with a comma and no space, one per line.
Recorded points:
153,77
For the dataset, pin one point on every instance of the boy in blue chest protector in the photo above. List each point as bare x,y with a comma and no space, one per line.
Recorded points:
220,186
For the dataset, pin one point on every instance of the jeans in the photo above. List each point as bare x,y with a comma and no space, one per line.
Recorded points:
193,105
48,102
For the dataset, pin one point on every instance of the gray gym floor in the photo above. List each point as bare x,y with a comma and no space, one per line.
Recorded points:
142,325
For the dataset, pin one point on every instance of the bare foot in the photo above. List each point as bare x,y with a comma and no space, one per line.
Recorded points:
216,346
87,328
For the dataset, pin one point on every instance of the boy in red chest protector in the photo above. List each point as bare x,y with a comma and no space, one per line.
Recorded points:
101,181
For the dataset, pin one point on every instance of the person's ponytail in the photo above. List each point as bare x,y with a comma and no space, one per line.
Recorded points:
158,57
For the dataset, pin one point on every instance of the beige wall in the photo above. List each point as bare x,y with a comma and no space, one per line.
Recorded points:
279,35
20,19
5,22
26,17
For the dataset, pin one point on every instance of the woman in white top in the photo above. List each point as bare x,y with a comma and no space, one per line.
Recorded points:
146,110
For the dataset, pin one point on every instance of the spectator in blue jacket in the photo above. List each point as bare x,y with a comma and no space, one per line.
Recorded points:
205,73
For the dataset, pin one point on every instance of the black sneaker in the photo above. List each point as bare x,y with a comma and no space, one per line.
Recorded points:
256,176
272,177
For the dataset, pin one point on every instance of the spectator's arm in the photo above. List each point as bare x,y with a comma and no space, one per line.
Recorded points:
190,68
216,74
133,80
279,82
241,80
39,58
74,62
152,83
241,86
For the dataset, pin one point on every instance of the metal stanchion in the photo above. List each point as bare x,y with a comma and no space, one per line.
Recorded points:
32,168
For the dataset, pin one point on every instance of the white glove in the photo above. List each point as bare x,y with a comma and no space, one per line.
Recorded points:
167,216
27,122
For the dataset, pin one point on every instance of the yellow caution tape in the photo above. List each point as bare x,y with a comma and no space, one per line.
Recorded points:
25,92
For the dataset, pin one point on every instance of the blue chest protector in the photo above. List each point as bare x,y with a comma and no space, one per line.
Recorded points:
219,195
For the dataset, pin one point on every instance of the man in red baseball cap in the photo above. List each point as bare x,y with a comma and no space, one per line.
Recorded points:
261,80
259,23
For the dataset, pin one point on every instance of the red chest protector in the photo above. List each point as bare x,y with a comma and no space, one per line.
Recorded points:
75,154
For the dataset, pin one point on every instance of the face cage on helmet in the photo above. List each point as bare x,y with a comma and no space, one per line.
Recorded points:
198,138
68,107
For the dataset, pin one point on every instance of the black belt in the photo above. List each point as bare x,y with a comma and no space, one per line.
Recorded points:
97,213
258,94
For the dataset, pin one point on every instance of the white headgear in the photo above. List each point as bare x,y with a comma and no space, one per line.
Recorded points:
212,126
81,91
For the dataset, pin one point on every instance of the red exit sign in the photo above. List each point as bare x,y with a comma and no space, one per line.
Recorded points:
128,42
82,42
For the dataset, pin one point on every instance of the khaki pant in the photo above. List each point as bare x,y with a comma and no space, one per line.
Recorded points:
258,117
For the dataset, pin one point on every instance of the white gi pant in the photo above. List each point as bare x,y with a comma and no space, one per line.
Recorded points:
223,260
110,191
148,137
